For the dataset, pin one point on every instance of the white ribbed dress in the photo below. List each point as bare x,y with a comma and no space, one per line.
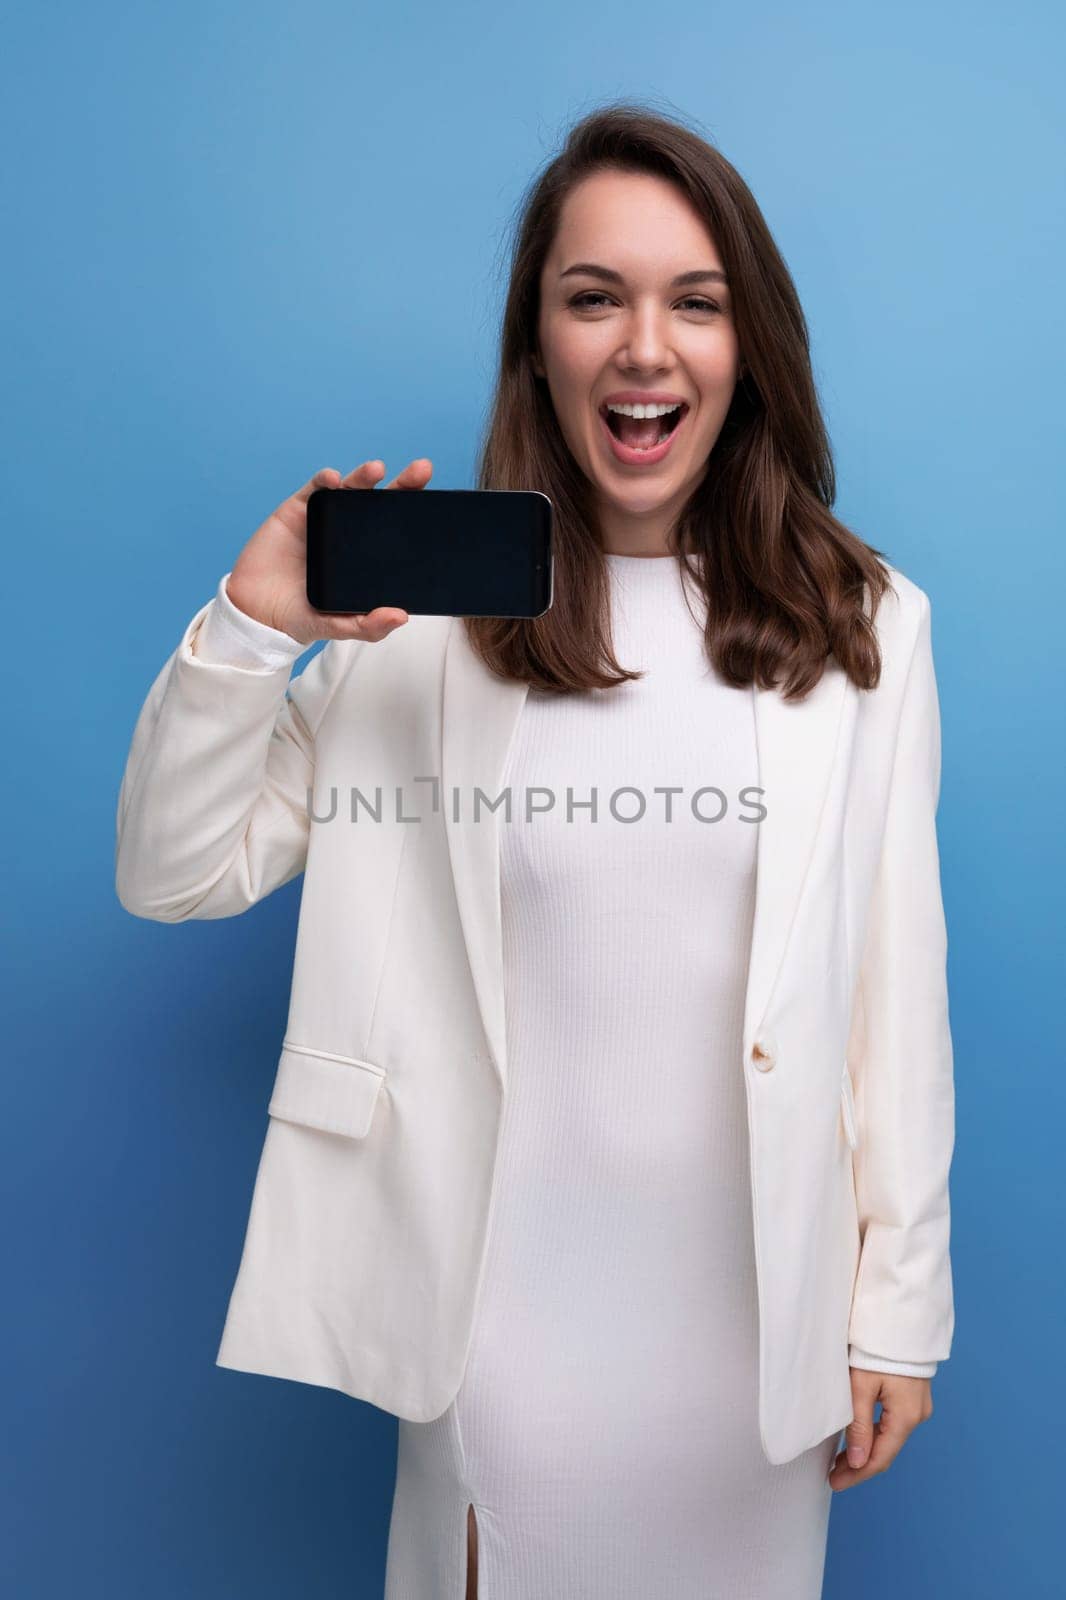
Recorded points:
606,1428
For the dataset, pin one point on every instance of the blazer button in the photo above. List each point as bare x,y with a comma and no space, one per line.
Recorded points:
764,1052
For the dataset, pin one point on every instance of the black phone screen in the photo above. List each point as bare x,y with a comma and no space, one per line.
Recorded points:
436,552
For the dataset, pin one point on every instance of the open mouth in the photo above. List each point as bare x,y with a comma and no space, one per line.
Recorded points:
646,433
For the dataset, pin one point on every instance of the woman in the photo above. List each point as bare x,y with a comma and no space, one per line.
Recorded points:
608,1149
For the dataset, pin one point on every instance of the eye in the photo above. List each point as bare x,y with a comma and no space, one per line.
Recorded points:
582,301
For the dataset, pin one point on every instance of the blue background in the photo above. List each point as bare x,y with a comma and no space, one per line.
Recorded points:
246,242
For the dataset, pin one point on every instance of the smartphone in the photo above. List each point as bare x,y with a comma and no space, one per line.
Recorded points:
434,552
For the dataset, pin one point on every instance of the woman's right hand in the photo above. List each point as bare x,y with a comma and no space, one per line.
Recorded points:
269,578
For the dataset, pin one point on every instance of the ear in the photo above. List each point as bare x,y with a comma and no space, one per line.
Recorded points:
537,363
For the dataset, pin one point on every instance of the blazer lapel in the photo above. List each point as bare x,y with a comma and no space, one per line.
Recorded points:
796,743
479,714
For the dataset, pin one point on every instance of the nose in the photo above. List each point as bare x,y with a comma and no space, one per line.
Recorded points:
646,348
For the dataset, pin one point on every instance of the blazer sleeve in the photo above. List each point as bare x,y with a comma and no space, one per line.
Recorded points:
900,1058
230,635
213,805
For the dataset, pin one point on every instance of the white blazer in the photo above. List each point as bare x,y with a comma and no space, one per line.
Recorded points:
373,1199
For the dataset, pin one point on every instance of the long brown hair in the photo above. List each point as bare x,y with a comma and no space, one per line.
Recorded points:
786,584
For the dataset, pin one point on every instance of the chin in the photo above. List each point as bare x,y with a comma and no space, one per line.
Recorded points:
637,501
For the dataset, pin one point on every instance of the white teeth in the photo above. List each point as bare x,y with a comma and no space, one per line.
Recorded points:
642,411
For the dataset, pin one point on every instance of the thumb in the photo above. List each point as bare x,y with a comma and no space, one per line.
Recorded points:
859,1436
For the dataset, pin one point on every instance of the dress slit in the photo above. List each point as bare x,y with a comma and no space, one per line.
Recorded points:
471,1554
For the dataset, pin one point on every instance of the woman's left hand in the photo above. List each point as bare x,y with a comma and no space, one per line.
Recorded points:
871,1447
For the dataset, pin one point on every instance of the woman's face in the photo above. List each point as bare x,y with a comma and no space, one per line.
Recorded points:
600,336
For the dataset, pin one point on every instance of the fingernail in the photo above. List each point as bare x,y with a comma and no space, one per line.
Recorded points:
855,1455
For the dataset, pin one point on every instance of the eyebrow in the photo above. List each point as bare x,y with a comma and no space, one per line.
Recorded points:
699,275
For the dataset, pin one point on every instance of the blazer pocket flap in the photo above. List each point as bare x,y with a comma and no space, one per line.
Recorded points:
334,1093
847,1108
